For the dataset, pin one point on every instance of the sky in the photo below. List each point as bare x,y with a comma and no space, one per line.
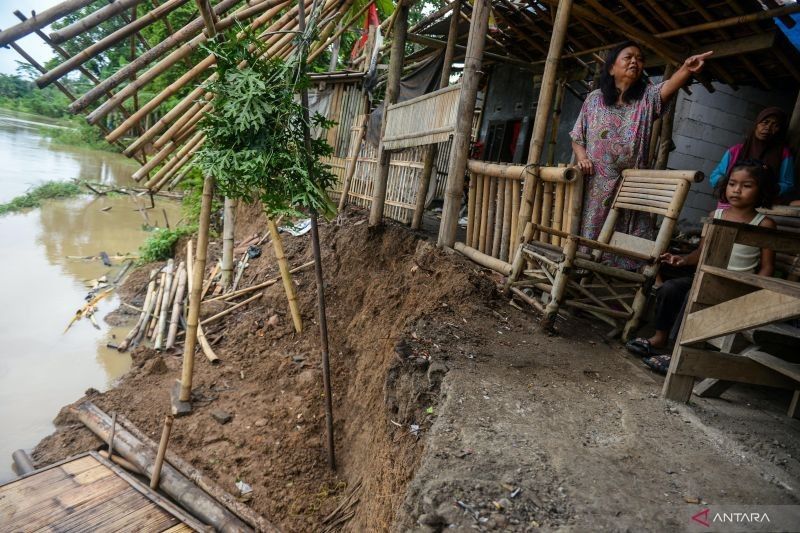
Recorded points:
31,43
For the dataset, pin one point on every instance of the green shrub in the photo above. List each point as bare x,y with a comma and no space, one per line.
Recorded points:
46,191
160,246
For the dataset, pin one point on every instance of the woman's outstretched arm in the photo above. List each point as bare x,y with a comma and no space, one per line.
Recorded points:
692,65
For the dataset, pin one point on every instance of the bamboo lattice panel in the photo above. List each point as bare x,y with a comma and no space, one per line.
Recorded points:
81,495
426,119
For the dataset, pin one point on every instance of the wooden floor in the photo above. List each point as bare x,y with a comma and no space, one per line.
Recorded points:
87,493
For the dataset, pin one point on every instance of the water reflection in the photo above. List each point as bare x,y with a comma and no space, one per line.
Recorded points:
41,367
29,158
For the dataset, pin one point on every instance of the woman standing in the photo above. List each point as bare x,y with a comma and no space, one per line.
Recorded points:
613,131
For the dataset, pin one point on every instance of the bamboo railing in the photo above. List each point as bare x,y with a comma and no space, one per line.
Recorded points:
493,206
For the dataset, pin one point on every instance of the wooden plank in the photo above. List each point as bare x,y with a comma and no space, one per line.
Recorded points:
92,475
790,370
644,199
632,242
632,188
748,311
80,465
774,239
729,367
712,388
713,290
638,207
773,284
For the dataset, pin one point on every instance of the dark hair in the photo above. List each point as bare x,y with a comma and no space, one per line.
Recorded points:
609,88
765,180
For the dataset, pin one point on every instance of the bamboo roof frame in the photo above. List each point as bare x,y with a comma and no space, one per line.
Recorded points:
751,52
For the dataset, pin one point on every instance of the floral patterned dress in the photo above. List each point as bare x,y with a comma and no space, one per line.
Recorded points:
616,138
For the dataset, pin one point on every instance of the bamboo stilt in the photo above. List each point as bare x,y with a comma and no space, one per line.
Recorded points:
392,90
498,216
196,287
466,110
544,106
283,265
151,329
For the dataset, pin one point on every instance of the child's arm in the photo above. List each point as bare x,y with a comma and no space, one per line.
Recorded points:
767,256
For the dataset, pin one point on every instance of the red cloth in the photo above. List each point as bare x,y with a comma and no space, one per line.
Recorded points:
370,19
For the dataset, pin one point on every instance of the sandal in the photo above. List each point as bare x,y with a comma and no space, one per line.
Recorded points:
659,363
640,347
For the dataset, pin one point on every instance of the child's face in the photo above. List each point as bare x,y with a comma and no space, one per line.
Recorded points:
742,189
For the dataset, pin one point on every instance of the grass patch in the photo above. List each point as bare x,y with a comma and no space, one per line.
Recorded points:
46,191
160,246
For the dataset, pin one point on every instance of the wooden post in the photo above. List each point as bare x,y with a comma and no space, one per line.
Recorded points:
392,90
444,81
543,109
162,451
459,151
227,243
198,271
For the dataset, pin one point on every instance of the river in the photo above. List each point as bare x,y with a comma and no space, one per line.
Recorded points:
42,367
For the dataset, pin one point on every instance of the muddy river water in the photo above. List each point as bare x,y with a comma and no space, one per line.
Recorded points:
42,367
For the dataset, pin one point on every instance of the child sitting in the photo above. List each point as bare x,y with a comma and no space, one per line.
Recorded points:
747,187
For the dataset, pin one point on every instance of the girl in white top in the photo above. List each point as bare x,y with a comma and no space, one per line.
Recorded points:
748,187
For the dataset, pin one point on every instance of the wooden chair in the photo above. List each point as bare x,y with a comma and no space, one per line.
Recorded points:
722,302
579,280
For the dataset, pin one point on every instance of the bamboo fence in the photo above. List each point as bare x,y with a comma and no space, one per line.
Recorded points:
493,206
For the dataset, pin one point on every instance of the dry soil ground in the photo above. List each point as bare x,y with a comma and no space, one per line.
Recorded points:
452,410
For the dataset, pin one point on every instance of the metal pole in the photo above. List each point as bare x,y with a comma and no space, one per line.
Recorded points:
323,323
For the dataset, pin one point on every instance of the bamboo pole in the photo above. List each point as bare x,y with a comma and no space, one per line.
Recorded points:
471,198
459,152
230,310
40,20
176,307
483,259
505,234
146,58
90,21
183,122
544,106
201,337
227,243
487,245
157,311
104,44
151,287
392,91
152,182
172,483
476,224
485,201
444,81
258,286
498,217
155,478
288,286
196,287
162,318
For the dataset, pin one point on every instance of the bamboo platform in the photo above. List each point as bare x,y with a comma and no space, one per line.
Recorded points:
87,493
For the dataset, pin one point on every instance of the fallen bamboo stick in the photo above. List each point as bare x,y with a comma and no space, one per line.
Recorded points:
127,465
228,311
176,307
151,330
151,286
201,480
172,482
161,328
283,265
209,281
263,285
528,300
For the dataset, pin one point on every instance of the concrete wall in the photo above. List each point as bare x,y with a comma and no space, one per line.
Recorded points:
707,124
